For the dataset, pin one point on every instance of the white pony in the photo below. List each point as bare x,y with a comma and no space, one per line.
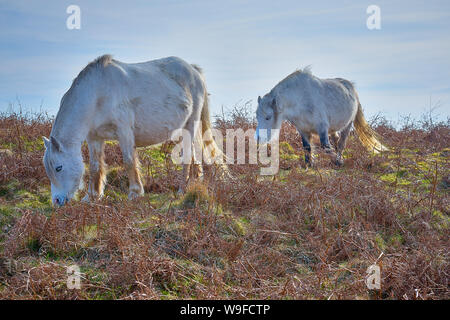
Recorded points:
313,105
138,104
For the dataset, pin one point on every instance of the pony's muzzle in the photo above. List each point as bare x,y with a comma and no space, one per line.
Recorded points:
60,200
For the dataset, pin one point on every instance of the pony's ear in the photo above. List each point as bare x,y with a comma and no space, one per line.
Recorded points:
46,142
274,104
56,144
259,99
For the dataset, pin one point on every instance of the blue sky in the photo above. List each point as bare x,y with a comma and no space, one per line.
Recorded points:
245,47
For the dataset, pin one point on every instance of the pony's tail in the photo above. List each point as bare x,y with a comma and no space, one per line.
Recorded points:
213,150
210,149
368,137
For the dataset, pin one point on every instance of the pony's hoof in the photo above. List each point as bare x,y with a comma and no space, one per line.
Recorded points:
91,198
134,195
180,193
311,164
339,161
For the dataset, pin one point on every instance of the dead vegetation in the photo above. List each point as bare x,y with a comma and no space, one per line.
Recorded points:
303,234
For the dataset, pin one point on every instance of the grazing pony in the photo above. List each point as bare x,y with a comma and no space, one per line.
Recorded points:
321,106
138,104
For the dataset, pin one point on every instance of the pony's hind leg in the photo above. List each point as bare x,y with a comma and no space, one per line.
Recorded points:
306,141
341,144
194,153
131,162
198,171
334,140
325,143
97,173
191,169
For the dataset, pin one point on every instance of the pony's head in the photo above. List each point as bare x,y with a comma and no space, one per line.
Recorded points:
65,168
268,115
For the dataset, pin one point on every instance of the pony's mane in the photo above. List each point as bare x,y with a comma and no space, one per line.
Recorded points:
100,62
296,73
287,82
198,68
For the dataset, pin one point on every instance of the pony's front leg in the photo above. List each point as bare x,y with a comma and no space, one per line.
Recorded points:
185,181
97,172
131,163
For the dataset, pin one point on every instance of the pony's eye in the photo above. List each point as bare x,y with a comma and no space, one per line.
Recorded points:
267,118
58,169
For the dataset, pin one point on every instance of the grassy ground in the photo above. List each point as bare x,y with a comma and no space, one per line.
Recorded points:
303,234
